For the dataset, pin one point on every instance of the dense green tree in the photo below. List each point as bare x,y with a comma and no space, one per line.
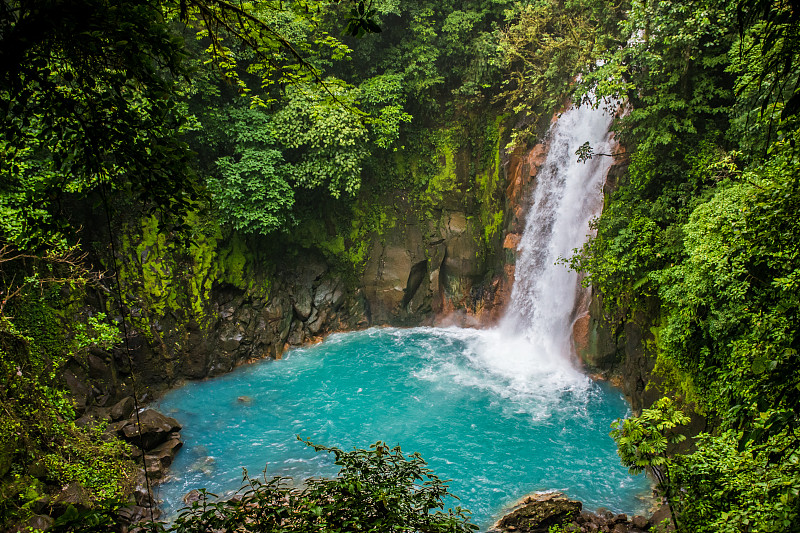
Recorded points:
646,443
379,489
705,223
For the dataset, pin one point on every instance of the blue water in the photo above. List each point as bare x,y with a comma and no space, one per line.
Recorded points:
483,413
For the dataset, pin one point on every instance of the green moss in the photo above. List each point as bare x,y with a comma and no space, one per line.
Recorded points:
371,219
489,183
175,273
444,181
232,261
10,430
154,276
443,158
201,274
673,379
36,430
491,229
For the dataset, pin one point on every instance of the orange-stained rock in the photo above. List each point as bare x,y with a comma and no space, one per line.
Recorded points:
580,334
511,241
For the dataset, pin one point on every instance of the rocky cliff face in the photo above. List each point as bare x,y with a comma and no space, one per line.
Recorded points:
198,309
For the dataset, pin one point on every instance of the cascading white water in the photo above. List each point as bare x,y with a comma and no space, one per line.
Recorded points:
530,353
567,195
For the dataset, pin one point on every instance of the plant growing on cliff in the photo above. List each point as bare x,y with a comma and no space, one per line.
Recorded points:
726,488
40,447
643,443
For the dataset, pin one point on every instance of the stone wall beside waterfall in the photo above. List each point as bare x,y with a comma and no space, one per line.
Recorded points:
200,309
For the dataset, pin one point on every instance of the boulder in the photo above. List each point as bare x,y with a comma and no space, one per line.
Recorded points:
166,452
80,391
538,512
73,494
640,522
662,519
134,514
37,522
123,408
141,494
155,429
192,496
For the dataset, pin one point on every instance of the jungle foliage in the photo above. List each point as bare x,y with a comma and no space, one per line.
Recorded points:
705,222
378,489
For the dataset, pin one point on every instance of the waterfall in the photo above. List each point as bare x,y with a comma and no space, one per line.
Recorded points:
567,195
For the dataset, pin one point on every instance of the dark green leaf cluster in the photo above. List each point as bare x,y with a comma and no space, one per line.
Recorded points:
705,224
728,490
379,489
643,441
88,92
647,442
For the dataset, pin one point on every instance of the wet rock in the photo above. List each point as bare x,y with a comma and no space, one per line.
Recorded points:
99,369
135,453
155,471
123,408
155,429
244,399
511,242
607,515
194,363
620,527
207,465
324,292
315,324
640,522
662,519
301,302
164,454
230,341
537,513
337,298
37,522
135,514
114,427
86,421
99,413
141,494
80,391
192,496
296,334
73,494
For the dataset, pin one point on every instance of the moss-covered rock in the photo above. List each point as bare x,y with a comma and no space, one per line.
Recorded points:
539,512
